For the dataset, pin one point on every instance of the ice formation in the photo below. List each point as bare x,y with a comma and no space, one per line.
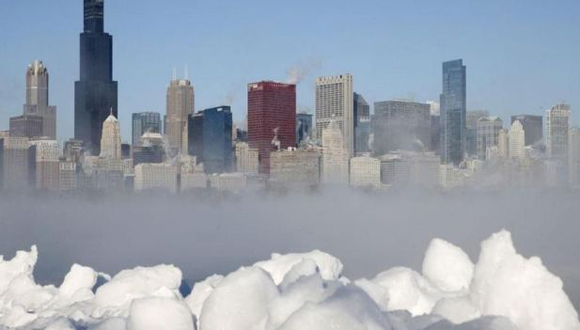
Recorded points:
502,291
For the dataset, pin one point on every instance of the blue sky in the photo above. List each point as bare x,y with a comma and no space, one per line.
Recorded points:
522,55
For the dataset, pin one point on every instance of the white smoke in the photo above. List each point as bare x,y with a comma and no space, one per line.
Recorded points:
275,140
297,73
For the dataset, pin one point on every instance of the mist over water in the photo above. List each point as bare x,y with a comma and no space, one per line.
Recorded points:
369,232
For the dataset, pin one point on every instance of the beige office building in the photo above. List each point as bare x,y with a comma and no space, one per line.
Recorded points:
334,102
180,104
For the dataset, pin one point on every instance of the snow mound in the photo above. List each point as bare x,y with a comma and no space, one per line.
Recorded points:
502,291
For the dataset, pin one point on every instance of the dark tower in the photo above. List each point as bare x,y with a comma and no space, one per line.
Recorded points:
95,92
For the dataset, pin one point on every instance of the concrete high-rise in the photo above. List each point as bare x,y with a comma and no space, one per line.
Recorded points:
533,126
37,98
271,119
210,139
180,105
517,141
29,126
558,141
95,92
144,122
47,164
111,138
335,158
488,129
334,102
453,112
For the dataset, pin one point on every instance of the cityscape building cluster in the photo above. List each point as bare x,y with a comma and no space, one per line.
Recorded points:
433,145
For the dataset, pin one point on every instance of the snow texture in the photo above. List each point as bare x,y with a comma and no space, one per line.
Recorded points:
502,291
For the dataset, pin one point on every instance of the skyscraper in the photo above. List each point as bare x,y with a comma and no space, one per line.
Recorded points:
453,112
335,159
488,129
144,122
558,141
29,126
37,98
271,119
533,127
517,141
111,138
362,124
334,102
401,125
303,127
180,104
95,92
210,139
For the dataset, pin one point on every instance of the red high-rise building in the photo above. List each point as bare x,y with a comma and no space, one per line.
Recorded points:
271,118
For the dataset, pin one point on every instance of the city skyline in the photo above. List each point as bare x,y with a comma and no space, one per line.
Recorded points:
526,79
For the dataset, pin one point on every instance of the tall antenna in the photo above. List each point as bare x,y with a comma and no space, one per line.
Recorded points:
174,73
186,73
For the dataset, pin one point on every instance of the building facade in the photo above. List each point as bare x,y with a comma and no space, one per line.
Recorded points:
533,127
37,98
47,164
144,122
156,177
401,125
95,91
362,124
180,105
271,119
334,102
365,172
295,168
210,139
247,159
453,112
111,138
335,156
488,129
303,127
517,141
29,126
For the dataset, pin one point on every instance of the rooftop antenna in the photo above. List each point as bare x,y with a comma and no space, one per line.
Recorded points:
186,73
174,73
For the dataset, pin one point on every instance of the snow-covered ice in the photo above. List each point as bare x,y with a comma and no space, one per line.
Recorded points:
501,291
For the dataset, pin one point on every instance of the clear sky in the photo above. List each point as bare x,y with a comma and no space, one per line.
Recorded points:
522,56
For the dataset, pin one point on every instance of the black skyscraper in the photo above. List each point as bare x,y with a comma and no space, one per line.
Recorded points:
95,92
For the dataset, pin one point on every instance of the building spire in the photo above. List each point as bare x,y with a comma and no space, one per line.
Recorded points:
186,77
174,73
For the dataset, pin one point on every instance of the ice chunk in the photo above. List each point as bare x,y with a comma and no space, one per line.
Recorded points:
240,301
156,313
447,266
201,291
523,290
330,267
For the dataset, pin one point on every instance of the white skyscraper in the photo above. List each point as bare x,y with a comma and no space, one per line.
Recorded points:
517,141
335,156
111,138
334,102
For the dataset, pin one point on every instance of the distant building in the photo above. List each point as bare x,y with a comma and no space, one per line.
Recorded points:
471,134
73,150
228,182
574,157
365,172
303,127
362,124
193,181
532,126
28,126
47,164
406,168
180,105
334,155
453,112
401,125
295,168
111,138
334,103
156,177
144,122
67,174
18,164
517,141
210,139
558,141
247,159
37,99
271,119
488,129
503,144
95,91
